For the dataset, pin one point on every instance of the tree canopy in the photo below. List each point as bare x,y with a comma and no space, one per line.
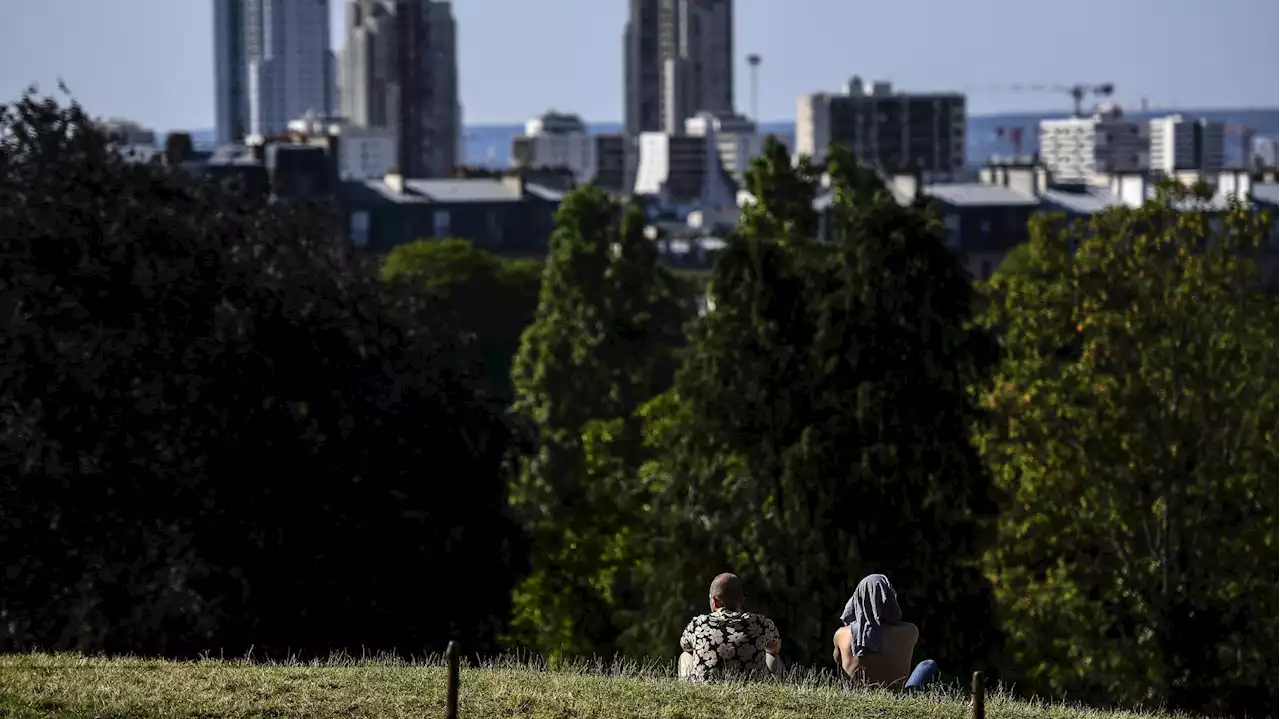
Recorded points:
1135,441
218,433
828,384
608,322
490,299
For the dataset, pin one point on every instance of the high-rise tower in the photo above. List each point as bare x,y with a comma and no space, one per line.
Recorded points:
678,62
272,64
400,72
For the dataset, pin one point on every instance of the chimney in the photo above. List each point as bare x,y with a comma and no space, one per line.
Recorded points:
514,181
1131,187
395,181
907,184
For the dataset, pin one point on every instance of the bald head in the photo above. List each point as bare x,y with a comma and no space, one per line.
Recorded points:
726,591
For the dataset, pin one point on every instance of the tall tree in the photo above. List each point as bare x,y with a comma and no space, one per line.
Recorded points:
490,299
218,432
818,430
1136,442
608,321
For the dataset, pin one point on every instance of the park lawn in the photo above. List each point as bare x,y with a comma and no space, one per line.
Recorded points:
47,685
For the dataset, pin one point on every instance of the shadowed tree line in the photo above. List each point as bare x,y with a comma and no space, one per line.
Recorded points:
221,430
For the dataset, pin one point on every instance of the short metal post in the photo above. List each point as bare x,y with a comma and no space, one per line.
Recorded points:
979,708
451,691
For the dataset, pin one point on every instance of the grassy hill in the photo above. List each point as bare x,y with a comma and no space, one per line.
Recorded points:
45,685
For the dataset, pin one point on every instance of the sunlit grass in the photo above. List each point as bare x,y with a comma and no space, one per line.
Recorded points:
62,685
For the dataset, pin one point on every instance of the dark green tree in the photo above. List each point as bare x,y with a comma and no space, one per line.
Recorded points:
218,432
784,193
490,299
818,431
607,323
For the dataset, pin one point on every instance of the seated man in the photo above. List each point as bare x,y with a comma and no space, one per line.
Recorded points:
729,641
875,645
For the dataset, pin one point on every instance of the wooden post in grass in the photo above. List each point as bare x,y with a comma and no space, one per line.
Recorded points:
979,708
451,691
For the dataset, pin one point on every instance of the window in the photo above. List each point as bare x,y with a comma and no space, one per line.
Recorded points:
952,223
360,228
441,221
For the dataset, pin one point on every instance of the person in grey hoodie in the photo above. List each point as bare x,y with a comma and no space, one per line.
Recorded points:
875,646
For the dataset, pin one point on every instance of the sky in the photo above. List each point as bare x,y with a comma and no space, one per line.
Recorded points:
152,60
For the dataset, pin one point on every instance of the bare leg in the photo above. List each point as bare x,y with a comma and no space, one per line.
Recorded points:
776,666
685,665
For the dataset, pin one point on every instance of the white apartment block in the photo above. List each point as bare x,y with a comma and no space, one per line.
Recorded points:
1089,149
557,140
289,65
893,130
735,136
1178,145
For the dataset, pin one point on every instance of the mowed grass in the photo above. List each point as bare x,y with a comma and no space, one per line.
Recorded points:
47,685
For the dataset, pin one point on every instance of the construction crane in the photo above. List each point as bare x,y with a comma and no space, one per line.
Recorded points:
1078,92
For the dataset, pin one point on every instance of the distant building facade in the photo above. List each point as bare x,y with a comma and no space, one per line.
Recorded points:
1091,148
737,139
505,215
684,172
555,140
127,132
361,153
231,70
399,72
894,131
678,61
1178,144
272,63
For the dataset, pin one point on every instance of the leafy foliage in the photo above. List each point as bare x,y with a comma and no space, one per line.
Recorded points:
489,298
217,433
1136,442
607,324
784,195
818,428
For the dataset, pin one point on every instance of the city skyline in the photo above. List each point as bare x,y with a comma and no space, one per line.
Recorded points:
516,60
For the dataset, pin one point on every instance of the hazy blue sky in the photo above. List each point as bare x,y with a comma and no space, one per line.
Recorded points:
152,60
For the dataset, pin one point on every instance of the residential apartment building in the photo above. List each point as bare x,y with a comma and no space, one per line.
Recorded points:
272,64
1177,144
736,139
894,131
400,72
1088,149
556,140
678,61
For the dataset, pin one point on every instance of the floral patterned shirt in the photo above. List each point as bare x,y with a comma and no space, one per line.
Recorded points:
728,642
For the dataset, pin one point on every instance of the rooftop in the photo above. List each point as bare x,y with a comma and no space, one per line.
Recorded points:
963,194
449,191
